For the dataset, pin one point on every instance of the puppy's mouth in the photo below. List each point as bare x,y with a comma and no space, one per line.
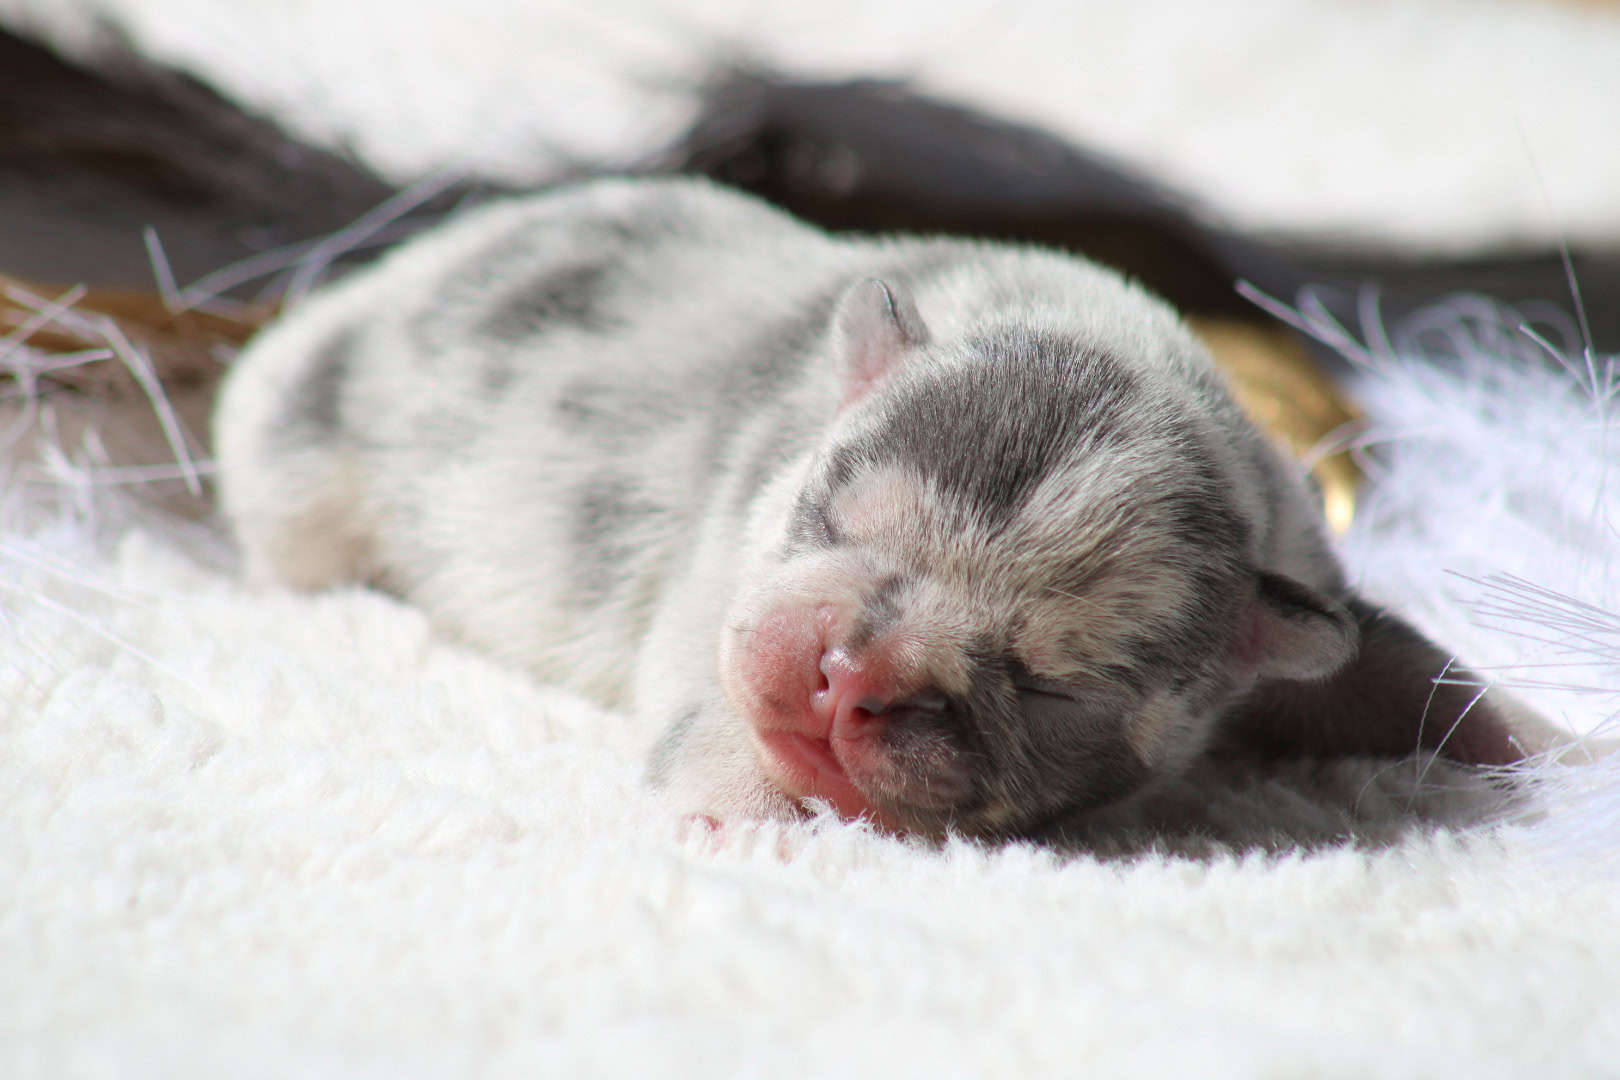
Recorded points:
808,767
862,782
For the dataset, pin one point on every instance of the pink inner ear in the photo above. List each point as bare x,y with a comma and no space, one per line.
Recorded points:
861,373
877,324
1289,632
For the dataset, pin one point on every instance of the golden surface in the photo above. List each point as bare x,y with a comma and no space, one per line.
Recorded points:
140,315
1292,399
184,352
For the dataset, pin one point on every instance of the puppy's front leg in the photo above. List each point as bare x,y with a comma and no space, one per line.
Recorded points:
706,765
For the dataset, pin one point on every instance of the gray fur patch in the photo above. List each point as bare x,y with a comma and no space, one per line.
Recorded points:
448,429
661,761
496,376
313,407
500,292
880,611
756,374
776,354
605,512
1078,753
811,527
988,434
569,296
615,417
782,346
765,456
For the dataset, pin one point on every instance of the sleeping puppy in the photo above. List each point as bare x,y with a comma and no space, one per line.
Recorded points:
952,536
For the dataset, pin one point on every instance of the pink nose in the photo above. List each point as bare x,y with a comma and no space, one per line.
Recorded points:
852,698
857,698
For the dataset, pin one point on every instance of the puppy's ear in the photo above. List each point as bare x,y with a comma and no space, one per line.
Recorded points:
1293,632
876,325
1398,694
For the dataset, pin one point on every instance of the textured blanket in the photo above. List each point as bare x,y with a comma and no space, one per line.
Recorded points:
258,833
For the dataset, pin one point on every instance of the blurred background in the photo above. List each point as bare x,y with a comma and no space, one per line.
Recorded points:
1424,125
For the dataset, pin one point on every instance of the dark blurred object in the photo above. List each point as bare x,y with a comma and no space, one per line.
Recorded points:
88,158
874,155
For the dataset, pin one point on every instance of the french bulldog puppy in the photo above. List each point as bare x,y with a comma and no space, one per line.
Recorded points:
952,536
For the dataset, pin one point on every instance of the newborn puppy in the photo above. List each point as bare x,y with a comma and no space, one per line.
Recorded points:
950,536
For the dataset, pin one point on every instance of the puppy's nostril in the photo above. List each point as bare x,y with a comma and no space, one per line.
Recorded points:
831,666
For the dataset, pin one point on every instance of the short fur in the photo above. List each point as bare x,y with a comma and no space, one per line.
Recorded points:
953,536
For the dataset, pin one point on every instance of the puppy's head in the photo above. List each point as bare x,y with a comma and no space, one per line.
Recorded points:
1014,584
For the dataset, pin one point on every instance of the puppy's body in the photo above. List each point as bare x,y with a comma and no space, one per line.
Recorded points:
949,535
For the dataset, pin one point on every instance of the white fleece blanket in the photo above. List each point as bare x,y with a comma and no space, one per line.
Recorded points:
260,834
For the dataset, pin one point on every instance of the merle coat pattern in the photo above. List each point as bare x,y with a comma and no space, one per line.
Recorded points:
949,535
